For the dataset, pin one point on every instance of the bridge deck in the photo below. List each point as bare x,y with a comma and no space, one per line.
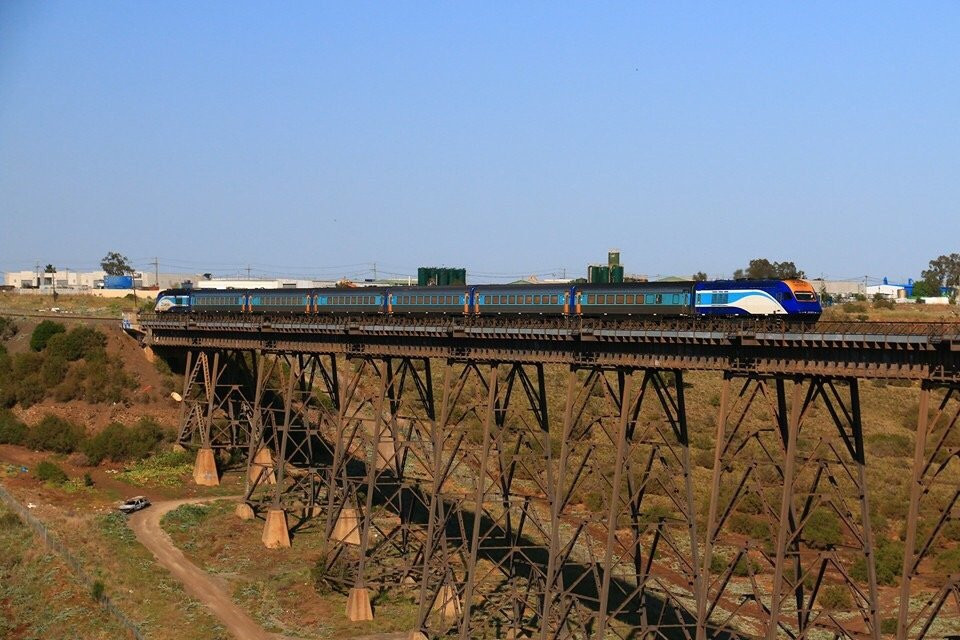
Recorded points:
909,350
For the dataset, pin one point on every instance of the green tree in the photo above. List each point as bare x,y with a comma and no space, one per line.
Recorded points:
55,434
47,471
115,264
43,332
928,286
763,269
945,271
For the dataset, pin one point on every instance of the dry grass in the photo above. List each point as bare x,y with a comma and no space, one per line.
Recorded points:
276,586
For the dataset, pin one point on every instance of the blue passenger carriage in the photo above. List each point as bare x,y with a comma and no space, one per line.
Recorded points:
360,300
279,301
218,301
427,300
527,299
635,298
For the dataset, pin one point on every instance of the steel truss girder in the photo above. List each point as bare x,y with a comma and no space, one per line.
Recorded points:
935,460
475,500
217,399
815,473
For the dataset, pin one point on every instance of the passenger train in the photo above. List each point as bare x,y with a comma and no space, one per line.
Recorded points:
793,299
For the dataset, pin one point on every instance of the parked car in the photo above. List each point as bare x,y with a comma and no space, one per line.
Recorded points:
134,504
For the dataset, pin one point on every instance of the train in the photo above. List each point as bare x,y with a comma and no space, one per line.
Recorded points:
791,299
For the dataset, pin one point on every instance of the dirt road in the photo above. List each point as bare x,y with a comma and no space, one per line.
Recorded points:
146,526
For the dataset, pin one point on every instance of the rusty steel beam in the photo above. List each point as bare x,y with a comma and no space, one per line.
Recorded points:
473,502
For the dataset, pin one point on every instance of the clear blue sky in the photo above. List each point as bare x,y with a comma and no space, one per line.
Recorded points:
508,138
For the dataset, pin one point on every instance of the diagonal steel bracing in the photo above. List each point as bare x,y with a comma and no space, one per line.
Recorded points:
217,399
510,508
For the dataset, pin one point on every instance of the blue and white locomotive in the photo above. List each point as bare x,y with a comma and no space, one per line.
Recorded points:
793,299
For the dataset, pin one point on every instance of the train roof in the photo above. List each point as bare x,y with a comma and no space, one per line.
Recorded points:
672,285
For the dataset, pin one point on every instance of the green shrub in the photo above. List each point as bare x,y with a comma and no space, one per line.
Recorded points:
749,526
47,471
55,434
889,563
22,383
718,564
9,520
948,561
105,381
30,391
165,469
114,526
117,442
750,503
185,517
835,597
325,579
72,386
53,371
79,342
8,328
12,430
43,332
746,566
822,530
889,445
881,302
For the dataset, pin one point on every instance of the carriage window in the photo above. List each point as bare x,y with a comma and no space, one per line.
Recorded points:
619,298
591,298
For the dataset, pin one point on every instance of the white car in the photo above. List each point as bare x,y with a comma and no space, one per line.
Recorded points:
134,504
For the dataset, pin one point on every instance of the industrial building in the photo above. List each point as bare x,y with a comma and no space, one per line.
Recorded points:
70,281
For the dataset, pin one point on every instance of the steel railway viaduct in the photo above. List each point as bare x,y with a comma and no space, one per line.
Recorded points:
454,459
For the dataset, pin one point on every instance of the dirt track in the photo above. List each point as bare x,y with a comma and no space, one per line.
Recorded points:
146,526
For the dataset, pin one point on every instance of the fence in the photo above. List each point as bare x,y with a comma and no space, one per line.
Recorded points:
53,544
